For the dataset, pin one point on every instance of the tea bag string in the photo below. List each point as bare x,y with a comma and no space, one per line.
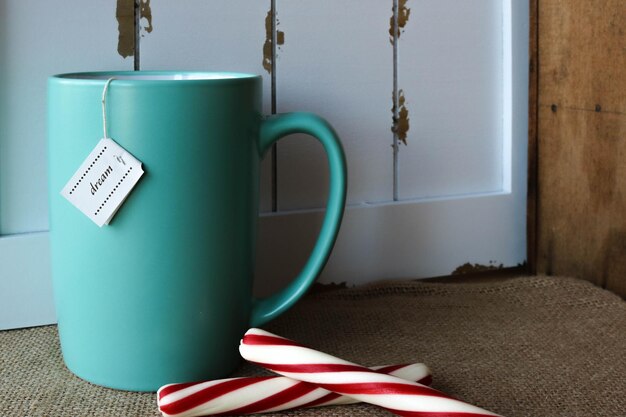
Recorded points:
104,106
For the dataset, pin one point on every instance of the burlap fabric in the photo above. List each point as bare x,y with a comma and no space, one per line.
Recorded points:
523,347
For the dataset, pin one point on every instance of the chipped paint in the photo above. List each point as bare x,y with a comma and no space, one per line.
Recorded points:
146,16
400,119
403,18
468,268
125,15
267,46
317,287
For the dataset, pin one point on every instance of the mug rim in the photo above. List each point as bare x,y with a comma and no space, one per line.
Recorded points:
160,77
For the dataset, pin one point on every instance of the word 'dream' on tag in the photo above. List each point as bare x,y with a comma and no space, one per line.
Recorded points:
103,181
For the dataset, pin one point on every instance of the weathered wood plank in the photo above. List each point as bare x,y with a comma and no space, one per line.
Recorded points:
39,39
582,53
336,61
582,141
450,84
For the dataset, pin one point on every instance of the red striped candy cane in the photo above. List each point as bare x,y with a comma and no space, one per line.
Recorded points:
399,396
252,395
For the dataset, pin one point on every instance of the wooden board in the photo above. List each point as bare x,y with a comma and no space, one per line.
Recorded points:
336,61
424,237
25,284
582,141
450,77
39,39
334,58
396,240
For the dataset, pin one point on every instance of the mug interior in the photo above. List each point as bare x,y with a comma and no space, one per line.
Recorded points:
157,76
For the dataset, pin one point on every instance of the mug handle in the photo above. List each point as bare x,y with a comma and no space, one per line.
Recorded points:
272,129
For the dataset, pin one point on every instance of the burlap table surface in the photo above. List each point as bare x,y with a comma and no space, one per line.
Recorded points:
530,346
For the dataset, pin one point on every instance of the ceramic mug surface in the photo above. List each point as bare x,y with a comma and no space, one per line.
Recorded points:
164,293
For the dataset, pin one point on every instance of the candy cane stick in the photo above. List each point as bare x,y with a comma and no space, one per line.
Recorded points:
251,395
401,397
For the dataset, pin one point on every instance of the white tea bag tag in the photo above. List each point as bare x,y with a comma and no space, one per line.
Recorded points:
103,181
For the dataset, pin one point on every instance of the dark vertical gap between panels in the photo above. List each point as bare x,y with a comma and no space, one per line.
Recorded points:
395,100
532,203
274,40
137,16
273,98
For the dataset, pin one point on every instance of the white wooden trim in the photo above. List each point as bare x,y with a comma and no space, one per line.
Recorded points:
25,281
507,95
399,240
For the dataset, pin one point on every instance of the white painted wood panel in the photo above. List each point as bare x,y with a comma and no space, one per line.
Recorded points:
336,61
340,61
213,35
450,69
25,284
396,240
428,236
38,39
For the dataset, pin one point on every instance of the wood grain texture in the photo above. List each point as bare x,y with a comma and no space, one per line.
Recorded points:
582,141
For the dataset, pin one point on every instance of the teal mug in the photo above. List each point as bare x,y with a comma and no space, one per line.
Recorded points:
164,293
